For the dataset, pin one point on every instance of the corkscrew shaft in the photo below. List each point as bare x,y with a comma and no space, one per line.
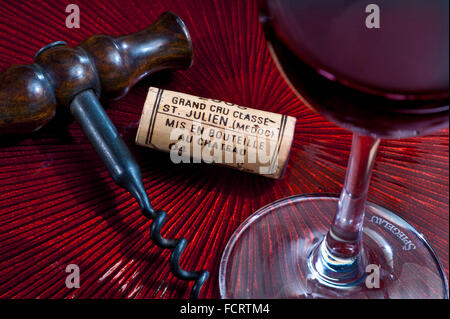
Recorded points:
124,170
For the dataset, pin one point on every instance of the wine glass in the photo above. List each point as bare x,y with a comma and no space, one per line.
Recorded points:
382,72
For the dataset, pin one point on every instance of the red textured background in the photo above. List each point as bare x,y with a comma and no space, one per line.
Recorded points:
58,205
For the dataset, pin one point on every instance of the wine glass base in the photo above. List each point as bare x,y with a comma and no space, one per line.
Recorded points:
268,256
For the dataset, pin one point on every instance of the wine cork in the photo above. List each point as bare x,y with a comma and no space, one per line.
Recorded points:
195,129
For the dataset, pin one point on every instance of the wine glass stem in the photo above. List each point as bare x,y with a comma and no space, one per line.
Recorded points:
344,237
339,261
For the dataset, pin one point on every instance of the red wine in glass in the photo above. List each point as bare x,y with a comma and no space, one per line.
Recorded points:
381,71
390,81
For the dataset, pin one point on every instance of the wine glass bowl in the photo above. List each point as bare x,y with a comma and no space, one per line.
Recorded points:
390,82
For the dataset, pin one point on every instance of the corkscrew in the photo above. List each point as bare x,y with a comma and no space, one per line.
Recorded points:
75,78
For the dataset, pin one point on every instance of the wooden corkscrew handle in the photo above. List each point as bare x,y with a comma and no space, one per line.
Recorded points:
110,66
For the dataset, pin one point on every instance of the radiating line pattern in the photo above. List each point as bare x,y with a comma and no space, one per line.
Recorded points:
58,206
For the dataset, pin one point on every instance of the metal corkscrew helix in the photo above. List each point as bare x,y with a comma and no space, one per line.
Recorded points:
178,246
69,77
